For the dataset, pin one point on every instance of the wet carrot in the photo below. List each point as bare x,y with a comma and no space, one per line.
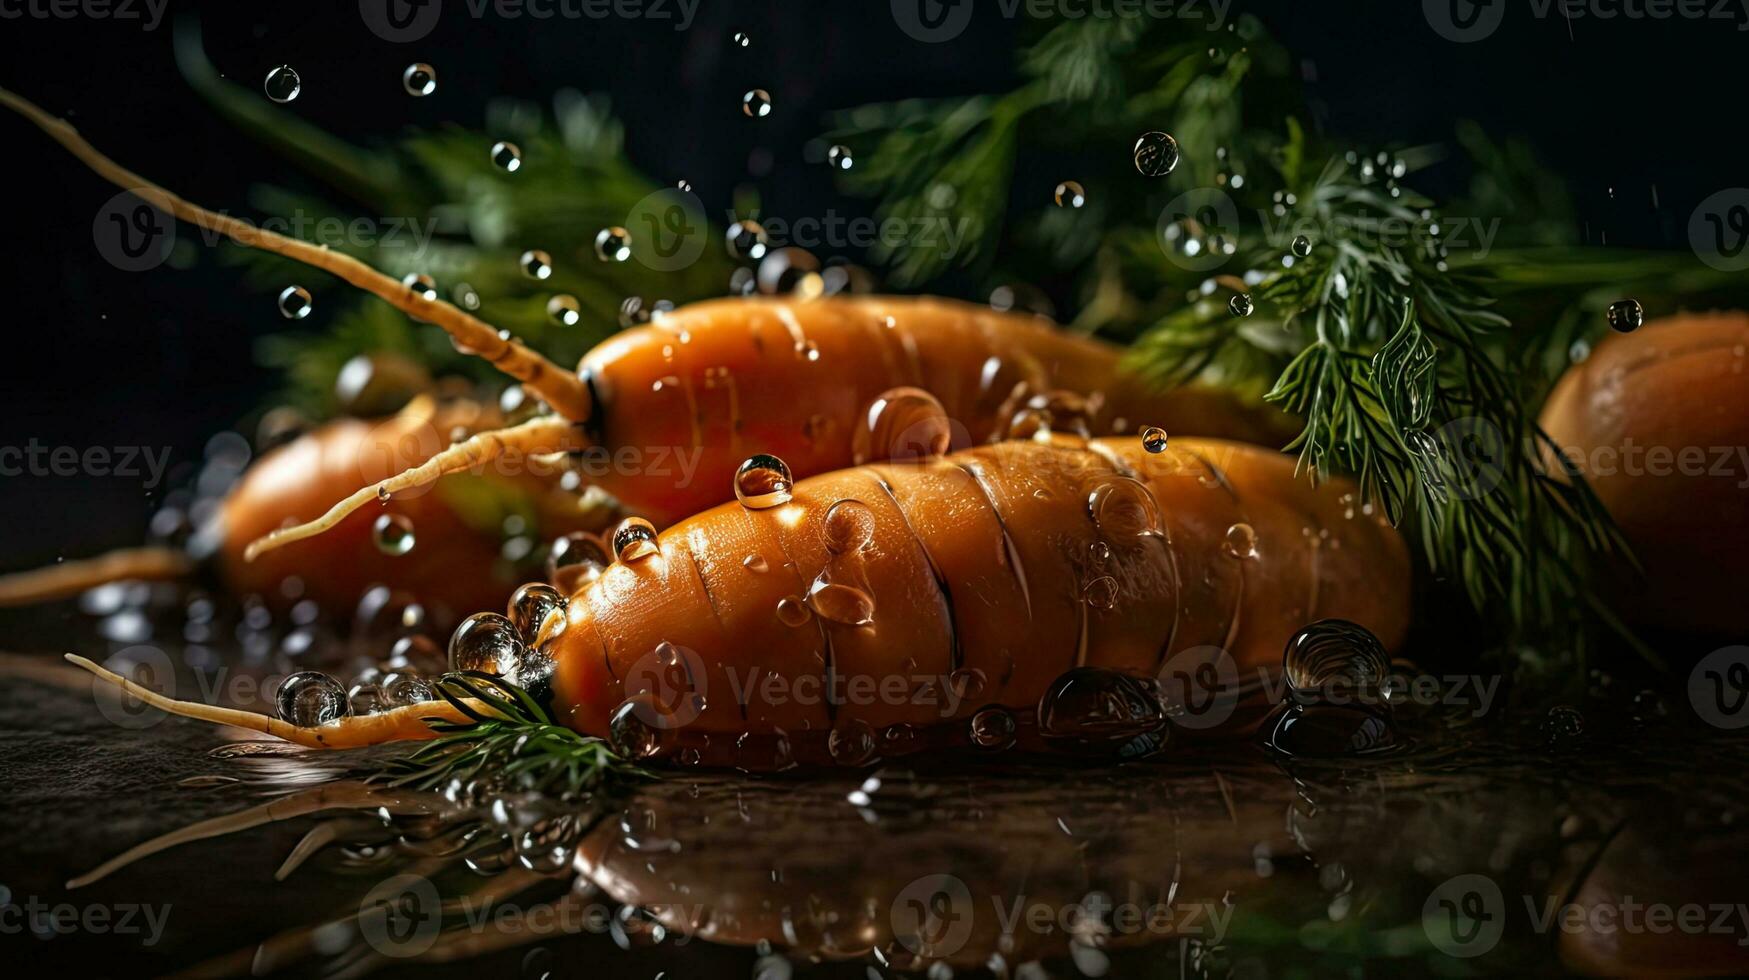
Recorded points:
996,571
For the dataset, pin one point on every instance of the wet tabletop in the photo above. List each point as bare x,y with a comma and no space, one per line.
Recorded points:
1465,849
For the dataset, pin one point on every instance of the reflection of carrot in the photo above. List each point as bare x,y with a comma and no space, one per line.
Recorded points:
999,568
718,381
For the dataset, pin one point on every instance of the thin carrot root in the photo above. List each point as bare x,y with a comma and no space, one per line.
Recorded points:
561,389
71,578
405,724
537,437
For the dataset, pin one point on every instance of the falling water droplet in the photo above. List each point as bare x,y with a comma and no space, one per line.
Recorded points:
507,156
536,264
1302,246
1156,154
763,481
741,39
283,84
564,310
294,302
1240,304
1070,194
756,104
852,743
1154,439
613,244
634,540
899,424
1241,542
420,79
1626,316
393,534
574,561
310,697
530,606
747,240
485,642
420,285
839,158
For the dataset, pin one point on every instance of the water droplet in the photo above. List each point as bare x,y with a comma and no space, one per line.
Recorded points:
849,527
420,79
1070,194
993,728
294,302
310,697
485,642
393,534
631,734
741,39
507,156
845,604
756,104
1241,542
613,244
902,423
1335,653
1095,708
1564,727
1324,731
564,310
403,688
634,540
283,84
420,285
788,270
574,561
530,606
536,264
755,563
763,481
1123,508
747,240
792,611
1154,439
1648,706
1156,154
1302,246
1626,316
839,158
1240,304
1101,592
852,743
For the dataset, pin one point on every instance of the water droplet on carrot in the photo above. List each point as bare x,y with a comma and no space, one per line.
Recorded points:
762,482
634,540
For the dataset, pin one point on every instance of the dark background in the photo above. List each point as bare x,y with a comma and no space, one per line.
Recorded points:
100,357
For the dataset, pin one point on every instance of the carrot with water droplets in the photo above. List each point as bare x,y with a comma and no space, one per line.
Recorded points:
669,410
804,630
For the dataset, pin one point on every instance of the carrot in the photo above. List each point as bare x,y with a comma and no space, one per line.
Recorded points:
1000,573
671,409
1657,421
296,481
